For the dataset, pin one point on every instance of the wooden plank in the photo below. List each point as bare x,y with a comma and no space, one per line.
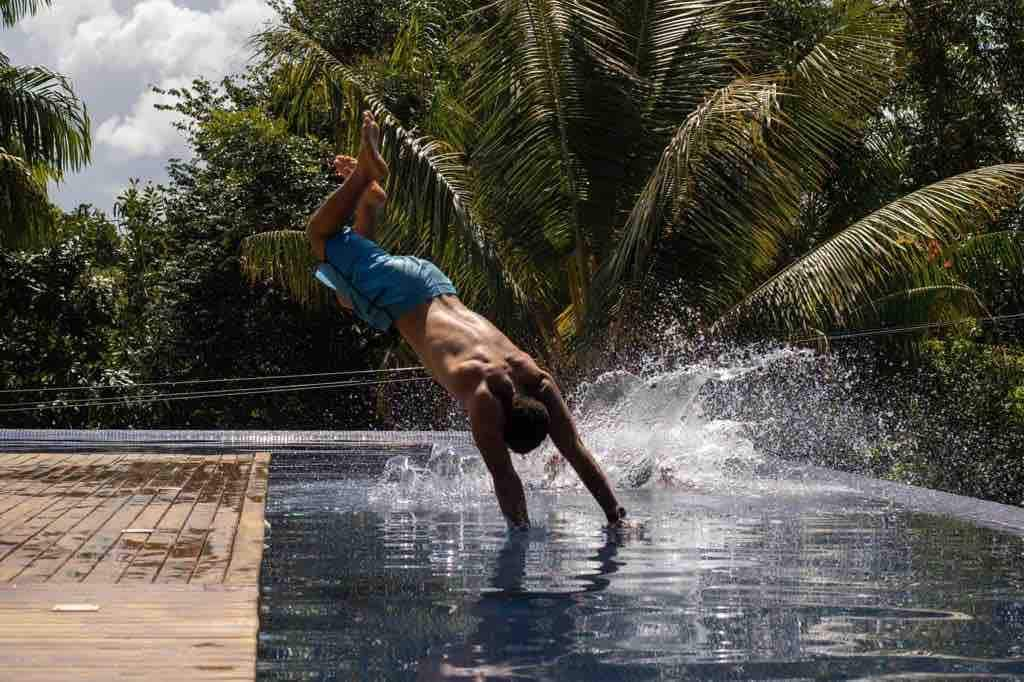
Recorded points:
247,551
151,556
38,534
29,466
213,560
50,504
184,555
145,632
41,493
23,542
99,675
78,566
19,459
47,492
20,485
122,554
138,471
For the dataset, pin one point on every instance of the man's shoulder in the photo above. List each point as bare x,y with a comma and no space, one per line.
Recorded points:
526,370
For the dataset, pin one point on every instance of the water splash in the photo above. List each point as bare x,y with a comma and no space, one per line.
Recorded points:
692,427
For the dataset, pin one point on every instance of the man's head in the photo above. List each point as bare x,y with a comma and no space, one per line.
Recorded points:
526,424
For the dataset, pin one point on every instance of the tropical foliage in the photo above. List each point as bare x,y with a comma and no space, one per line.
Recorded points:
44,132
574,155
587,173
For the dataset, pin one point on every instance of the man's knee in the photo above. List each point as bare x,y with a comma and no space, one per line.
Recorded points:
317,243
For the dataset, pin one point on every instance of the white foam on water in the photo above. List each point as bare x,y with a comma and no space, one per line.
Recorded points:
647,430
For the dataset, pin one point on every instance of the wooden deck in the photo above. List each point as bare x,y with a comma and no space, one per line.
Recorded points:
130,566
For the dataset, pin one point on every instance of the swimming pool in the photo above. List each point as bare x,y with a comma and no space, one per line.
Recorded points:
386,558
361,583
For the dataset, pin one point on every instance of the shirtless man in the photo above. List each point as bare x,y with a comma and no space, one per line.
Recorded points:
511,402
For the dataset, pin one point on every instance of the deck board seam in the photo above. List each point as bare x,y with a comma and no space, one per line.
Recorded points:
76,476
213,519
168,467
177,536
42,528
50,467
127,478
198,460
241,513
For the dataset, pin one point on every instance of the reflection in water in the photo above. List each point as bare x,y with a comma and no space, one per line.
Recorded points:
760,583
519,630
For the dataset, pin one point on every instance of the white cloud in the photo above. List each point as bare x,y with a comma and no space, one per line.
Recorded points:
113,50
146,131
158,37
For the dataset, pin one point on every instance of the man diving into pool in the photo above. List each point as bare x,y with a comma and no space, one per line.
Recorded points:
511,402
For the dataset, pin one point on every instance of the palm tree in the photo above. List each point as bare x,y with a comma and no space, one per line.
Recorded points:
44,132
596,149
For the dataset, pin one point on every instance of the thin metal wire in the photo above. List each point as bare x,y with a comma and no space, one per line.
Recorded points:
197,394
190,382
226,393
888,331
125,400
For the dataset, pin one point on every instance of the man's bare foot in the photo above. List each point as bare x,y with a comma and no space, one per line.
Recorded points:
344,166
369,152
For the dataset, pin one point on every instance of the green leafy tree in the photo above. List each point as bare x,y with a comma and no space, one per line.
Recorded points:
59,317
44,132
588,153
203,320
957,107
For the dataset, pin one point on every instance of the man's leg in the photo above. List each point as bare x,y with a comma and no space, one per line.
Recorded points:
329,219
371,204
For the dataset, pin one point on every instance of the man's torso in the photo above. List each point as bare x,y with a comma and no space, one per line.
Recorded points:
462,349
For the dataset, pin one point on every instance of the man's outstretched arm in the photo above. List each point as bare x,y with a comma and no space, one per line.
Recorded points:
563,434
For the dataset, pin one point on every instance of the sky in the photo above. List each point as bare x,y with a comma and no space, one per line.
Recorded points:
114,51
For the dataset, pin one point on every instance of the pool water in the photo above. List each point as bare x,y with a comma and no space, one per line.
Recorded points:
377,575
386,557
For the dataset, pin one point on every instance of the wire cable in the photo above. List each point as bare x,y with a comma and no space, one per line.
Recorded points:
192,382
229,392
889,331
224,393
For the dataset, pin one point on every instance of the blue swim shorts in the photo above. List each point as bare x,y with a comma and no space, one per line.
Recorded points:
382,288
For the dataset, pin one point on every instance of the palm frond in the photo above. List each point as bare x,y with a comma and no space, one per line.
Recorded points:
991,256
838,276
284,258
731,183
729,126
831,94
428,181
41,116
919,306
529,93
849,71
687,48
13,10
26,218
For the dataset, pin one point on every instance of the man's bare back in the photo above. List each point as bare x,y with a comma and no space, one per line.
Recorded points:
473,360
461,349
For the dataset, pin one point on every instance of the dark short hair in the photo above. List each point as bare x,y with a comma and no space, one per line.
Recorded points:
526,424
